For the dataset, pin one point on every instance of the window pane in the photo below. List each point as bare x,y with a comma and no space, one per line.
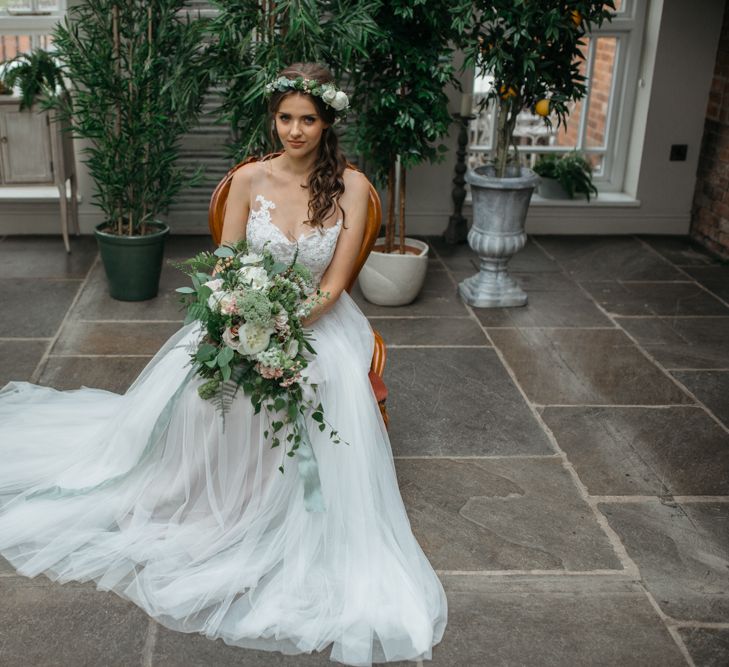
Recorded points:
48,6
600,87
20,6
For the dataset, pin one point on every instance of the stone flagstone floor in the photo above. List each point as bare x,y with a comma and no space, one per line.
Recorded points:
565,465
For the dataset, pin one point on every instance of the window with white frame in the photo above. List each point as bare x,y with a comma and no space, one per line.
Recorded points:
599,124
27,24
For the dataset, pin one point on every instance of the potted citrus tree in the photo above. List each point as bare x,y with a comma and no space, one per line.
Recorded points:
137,74
402,114
533,52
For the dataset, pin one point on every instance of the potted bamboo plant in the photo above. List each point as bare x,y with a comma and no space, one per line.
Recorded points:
533,52
137,76
402,115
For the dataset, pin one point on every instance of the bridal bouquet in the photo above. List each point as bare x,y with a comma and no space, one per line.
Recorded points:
250,307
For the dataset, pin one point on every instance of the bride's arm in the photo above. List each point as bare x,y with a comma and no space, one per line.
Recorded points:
354,203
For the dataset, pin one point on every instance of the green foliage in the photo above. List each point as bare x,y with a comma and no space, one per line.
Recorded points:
138,74
254,41
399,89
37,74
572,170
533,50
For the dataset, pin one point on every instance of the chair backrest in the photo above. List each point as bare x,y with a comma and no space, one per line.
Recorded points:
219,199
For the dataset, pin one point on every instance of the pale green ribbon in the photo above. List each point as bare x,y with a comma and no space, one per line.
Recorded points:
309,470
158,430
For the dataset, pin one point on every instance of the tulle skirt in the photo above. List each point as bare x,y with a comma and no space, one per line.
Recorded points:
153,496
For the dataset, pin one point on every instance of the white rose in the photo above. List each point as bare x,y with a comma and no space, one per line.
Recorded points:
251,258
254,276
214,300
340,101
330,92
229,339
215,284
227,304
253,338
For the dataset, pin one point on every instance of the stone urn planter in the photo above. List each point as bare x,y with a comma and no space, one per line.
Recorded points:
392,279
499,213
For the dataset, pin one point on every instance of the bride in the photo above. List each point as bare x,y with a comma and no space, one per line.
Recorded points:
149,495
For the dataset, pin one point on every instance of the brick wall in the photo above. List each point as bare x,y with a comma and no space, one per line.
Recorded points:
602,77
710,211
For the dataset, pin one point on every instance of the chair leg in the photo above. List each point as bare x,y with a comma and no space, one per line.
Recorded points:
383,412
63,203
74,204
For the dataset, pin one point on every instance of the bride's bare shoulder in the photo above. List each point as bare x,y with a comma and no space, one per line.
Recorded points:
356,185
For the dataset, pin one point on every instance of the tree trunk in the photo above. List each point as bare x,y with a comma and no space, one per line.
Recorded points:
390,223
401,217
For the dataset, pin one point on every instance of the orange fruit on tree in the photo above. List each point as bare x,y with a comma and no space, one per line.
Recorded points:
576,17
507,93
542,107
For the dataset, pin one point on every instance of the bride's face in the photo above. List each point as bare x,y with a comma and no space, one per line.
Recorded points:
299,125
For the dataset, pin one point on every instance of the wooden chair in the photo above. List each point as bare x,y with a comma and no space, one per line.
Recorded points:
216,215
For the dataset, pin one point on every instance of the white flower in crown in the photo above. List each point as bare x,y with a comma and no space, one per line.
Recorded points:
340,101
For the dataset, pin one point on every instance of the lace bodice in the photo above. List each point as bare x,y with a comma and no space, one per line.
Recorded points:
316,247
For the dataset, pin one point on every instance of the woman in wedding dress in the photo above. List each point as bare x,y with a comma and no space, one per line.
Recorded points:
151,496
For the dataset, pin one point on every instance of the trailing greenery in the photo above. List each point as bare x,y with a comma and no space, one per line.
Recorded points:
138,73
571,170
399,94
534,51
38,74
253,41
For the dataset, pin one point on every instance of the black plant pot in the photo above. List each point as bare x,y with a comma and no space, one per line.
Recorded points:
133,264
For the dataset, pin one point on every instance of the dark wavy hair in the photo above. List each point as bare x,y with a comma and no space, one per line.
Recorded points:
326,181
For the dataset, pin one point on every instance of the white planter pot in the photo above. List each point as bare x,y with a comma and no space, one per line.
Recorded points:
392,279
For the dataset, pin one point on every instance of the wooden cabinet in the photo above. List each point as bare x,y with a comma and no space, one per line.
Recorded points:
37,150
26,154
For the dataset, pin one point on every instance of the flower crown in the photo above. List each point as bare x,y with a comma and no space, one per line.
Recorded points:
329,93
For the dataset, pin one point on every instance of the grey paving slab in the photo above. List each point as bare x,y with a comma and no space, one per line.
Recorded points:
608,258
501,514
709,647
644,451
5,567
457,402
558,308
45,257
110,373
430,331
683,343
183,246
34,308
175,649
122,338
710,387
584,366
438,297
654,298
46,625
547,623
682,552
680,250
713,278
94,303
19,358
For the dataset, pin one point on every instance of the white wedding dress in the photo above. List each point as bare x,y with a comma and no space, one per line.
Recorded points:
151,496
